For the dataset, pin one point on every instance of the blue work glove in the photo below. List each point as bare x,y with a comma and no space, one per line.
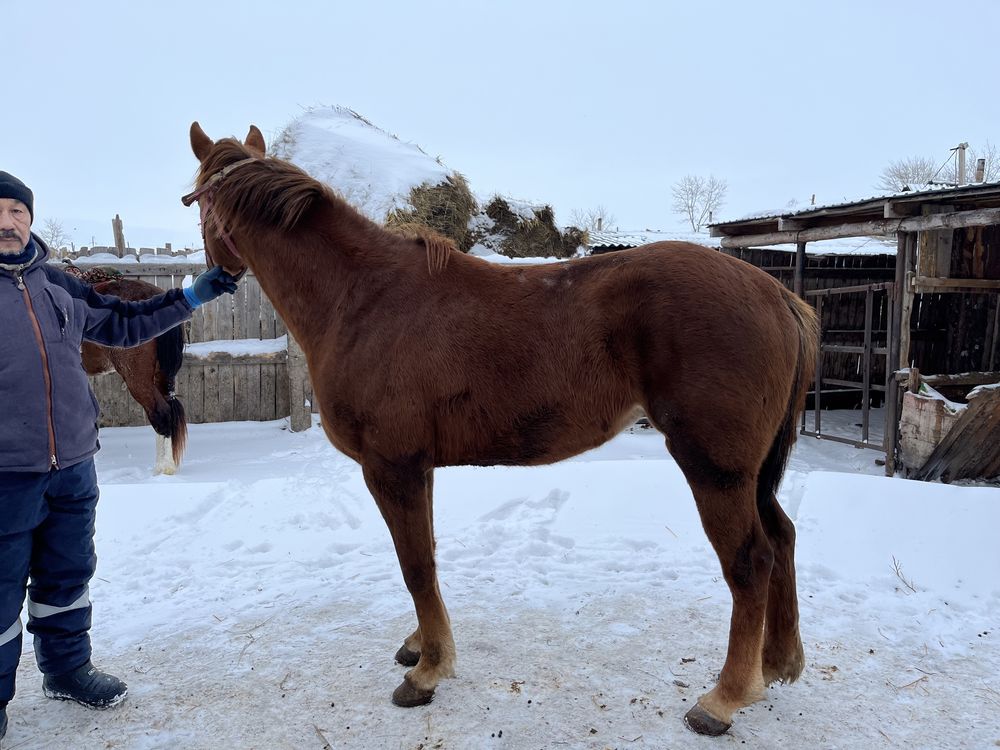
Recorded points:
209,285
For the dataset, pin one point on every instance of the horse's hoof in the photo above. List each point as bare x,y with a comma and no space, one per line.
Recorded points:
701,721
406,657
408,695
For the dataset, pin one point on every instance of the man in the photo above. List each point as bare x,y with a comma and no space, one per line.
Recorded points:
48,438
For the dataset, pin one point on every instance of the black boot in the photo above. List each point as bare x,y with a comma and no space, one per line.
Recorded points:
87,685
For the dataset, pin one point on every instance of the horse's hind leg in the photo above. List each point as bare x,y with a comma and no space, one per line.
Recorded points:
726,500
402,492
731,524
164,462
783,658
137,367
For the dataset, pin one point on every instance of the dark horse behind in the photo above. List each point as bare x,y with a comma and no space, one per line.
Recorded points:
421,356
149,370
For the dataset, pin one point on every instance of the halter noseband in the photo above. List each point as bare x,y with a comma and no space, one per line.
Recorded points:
208,211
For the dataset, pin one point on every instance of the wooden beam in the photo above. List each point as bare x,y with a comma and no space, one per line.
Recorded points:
881,286
790,225
892,361
898,210
231,358
962,378
800,268
990,354
908,294
926,284
298,387
143,269
958,220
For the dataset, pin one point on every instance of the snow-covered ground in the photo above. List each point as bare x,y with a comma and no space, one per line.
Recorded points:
254,601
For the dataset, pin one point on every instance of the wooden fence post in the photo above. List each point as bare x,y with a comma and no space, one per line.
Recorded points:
298,391
799,283
118,230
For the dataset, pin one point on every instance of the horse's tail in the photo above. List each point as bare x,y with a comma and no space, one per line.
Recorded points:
807,332
172,420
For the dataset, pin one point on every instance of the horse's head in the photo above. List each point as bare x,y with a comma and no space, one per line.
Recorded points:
217,160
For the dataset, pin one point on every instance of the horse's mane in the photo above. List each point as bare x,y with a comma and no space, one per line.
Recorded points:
439,248
278,194
266,191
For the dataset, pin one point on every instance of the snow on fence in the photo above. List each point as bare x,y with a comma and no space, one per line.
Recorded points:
239,363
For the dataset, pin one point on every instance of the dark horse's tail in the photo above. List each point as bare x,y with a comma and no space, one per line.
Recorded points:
168,418
777,458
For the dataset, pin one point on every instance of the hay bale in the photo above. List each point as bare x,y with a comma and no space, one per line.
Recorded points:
528,231
446,207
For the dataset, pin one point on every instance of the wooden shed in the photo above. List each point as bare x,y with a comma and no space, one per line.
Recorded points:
933,323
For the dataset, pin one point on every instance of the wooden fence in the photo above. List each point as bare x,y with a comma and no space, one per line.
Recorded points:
226,377
238,365
950,333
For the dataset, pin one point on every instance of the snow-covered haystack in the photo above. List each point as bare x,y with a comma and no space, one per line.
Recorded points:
447,207
397,183
371,169
520,230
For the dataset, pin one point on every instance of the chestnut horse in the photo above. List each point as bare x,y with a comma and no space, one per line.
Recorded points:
148,370
421,356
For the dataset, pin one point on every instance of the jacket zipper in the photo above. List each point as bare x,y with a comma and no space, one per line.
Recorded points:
54,464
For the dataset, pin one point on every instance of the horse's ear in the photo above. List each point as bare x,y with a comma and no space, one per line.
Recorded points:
255,141
201,144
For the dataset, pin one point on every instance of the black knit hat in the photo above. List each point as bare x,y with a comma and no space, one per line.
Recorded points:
11,187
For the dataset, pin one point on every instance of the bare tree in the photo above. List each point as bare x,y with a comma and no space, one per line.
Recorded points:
902,174
54,234
988,153
594,220
917,171
697,198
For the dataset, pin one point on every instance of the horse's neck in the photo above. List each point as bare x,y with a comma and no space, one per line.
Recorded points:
313,281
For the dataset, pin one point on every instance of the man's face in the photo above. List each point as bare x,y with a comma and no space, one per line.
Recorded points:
15,226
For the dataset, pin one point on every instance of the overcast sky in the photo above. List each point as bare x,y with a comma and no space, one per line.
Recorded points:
575,103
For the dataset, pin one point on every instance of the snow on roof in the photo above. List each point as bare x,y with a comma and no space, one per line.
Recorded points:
635,238
795,210
845,246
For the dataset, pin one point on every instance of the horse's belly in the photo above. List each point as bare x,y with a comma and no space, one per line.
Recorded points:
535,439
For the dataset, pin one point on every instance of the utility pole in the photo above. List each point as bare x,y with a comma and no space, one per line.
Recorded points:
961,162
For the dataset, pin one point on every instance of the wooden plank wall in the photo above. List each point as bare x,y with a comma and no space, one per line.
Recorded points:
843,315
217,387
951,333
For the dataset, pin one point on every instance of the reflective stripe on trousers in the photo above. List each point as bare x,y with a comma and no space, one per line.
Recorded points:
37,611
11,633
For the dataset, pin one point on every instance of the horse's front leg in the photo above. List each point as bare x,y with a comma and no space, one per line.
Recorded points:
402,489
409,653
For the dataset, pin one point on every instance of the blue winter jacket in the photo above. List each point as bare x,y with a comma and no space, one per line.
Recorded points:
48,413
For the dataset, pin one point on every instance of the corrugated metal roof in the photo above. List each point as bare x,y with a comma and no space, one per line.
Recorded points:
644,237
847,246
916,192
